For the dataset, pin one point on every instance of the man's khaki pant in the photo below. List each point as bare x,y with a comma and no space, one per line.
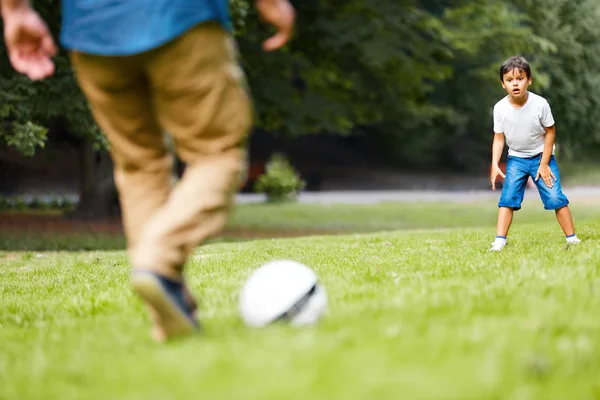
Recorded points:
192,88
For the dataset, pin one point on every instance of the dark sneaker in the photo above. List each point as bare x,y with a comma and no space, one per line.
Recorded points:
169,299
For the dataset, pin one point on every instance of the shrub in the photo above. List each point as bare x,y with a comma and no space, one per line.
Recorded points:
280,182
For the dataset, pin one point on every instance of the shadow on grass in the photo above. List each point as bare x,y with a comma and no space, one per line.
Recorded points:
31,241
25,231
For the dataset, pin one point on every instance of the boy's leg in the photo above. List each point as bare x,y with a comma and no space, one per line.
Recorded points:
554,199
511,198
505,216
120,99
565,220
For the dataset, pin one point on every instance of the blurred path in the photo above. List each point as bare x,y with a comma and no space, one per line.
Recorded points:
380,196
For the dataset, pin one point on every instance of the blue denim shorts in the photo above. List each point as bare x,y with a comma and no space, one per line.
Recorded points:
518,170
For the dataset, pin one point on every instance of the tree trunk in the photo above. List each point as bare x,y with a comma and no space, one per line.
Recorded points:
98,197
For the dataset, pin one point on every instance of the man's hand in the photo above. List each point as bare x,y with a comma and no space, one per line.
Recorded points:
494,174
280,14
28,41
546,173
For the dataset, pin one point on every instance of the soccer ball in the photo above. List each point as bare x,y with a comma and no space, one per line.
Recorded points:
282,290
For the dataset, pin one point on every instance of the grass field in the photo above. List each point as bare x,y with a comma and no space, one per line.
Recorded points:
418,309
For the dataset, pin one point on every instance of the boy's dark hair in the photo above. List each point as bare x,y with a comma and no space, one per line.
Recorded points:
516,62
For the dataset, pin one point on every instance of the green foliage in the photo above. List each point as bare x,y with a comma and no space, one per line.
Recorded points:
572,69
418,78
452,128
280,182
27,108
350,64
25,137
22,203
16,128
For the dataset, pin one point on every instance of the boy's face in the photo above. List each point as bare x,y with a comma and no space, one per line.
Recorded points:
515,82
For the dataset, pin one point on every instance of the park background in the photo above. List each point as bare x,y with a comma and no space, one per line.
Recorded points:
382,110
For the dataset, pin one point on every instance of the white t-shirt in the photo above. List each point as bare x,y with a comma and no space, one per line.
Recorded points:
523,127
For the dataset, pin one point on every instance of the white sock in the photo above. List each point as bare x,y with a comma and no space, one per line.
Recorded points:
500,239
572,238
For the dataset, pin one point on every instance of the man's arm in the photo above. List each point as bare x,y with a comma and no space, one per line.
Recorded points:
28,41
7,6
280,14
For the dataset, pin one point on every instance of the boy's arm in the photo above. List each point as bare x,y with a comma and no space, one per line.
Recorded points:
549,140
497,148
547,121
544,170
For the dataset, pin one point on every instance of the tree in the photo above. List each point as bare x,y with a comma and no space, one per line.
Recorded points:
416,80
480,35
350,64
29,108
570,67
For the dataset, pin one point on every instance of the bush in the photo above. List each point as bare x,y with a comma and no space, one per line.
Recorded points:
280,182
24,203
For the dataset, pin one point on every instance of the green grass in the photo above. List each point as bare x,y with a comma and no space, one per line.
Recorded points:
252,220
580,173
391,216
416,313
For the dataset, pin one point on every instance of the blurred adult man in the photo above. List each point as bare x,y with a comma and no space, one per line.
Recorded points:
147,67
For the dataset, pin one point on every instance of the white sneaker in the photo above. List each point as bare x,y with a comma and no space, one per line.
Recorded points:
573,240
498,245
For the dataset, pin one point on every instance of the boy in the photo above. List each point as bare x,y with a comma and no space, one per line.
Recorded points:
525,121
146,67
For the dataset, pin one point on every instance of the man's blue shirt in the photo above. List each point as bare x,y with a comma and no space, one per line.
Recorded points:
126,27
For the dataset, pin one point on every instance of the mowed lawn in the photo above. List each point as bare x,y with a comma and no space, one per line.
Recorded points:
418,309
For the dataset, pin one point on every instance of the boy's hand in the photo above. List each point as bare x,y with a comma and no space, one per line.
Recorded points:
29,43
280,14
494,174
546,173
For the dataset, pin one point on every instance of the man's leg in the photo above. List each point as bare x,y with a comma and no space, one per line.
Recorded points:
200,99
120,99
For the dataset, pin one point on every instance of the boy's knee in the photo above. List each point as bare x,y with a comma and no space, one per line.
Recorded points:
513,206
553,198
511,200
556,203
512,196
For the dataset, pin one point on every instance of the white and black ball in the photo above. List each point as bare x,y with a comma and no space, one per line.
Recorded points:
285,291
